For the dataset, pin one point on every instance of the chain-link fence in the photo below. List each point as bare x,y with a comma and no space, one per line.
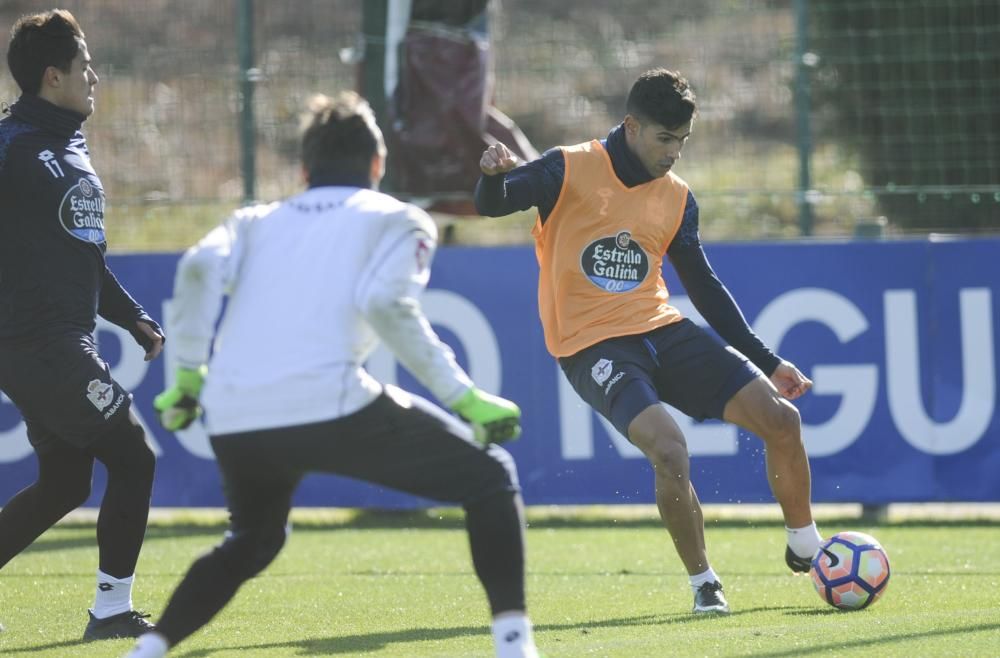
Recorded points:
831,108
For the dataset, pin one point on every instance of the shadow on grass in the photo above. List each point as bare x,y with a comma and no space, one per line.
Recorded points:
841,646
65,644
56,541
364,643
369,642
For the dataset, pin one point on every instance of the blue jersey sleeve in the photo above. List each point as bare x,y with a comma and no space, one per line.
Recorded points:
687,234
710,296
117,306
536,183
9,130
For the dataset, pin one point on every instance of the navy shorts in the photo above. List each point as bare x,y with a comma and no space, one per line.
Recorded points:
680,364
63,389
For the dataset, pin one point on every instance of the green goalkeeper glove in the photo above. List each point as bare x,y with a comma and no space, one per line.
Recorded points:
493,419
177,407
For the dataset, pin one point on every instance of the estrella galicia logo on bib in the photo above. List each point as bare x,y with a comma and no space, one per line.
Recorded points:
615,264
82,212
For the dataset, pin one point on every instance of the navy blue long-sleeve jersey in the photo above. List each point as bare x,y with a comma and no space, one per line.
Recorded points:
54,279
538,184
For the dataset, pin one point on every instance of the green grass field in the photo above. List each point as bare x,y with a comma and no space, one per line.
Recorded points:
599,584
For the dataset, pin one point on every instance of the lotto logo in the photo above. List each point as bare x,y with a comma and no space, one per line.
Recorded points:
49,159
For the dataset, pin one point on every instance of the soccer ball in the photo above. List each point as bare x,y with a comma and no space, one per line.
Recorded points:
850,570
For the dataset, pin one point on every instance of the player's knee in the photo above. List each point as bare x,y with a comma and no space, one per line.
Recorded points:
250,551
496,476
74,491
664,449
267,545
138,454
144,459
506,469
493,504
791,421
782,424
66,486
669,455
787,420
125,450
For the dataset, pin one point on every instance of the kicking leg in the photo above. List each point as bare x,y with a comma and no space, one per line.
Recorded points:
758,408
495,525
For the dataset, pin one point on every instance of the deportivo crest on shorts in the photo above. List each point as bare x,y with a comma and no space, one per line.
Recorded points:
615,263
601,371
99,393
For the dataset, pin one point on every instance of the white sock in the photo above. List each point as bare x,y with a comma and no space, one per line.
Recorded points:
150,645
804,542
707,576
512,636
114,595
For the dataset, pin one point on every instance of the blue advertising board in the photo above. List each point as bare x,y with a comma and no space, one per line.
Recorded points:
899,338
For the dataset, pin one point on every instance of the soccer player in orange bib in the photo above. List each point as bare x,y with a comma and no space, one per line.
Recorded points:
608,210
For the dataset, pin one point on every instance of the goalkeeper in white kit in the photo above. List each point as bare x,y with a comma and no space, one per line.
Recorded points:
313,282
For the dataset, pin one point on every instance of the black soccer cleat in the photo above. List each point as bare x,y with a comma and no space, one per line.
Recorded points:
709,598
127,624
796,563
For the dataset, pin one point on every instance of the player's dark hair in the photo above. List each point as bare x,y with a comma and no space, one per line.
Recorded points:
661,96
38,41
339,137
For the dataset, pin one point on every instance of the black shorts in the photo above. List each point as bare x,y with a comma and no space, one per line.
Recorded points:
400,441
63,389
680,364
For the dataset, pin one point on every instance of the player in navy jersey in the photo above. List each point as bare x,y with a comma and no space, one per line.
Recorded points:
314,283
608,212
54,281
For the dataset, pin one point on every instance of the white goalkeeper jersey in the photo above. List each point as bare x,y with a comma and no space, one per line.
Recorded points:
312,282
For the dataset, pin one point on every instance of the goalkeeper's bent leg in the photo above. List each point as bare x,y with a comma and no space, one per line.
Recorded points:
495,525
213,579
